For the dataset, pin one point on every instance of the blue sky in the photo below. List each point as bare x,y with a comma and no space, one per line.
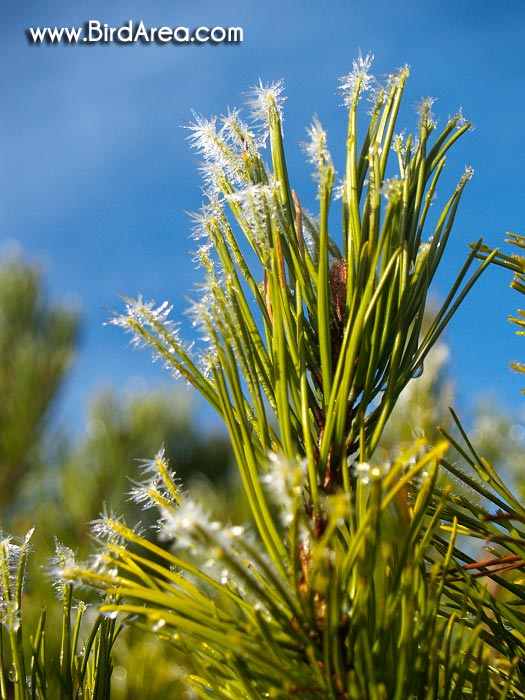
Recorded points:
96,173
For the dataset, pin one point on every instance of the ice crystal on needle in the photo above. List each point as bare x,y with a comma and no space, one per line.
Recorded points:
359,79
263,98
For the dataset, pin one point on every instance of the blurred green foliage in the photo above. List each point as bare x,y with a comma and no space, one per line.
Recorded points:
58,483
37,343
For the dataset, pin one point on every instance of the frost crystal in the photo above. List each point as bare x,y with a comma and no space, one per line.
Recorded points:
205,138
284,482
362,468
467,175
202,223
186,523
105,531
316,148
151,328
201,311
359,79
64,558
13,554
263,98
394,79
460,120
258,204
392,189
424,111
144,314
220,160
160,487
238,133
